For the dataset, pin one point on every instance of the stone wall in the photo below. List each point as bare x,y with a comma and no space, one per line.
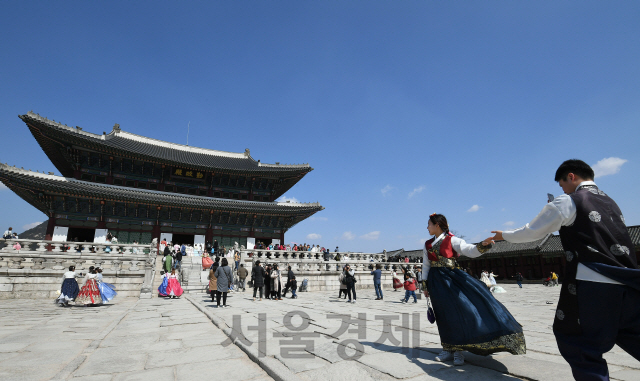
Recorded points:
37,273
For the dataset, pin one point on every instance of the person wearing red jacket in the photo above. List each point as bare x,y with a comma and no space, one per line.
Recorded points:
409,288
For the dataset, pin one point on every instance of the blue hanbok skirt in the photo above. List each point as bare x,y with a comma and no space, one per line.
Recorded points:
69,290
107,291
469,317
162,290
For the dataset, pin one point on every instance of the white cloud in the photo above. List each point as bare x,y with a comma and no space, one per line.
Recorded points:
371,236
313,236
31,225
348,236
474,208
287,199
416,190
386,189
608,166
313,218
509,223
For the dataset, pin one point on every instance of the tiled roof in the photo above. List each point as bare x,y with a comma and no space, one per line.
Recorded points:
552,246
634,232
412,253
158,150
16,178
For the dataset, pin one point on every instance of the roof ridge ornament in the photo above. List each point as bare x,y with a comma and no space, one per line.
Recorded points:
116,127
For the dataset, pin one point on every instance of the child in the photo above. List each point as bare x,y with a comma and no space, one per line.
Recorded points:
409,287
294,286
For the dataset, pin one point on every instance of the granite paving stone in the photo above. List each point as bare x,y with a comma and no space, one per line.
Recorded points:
181,339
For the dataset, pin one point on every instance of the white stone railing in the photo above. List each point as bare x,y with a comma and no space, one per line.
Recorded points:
263,254
80,248
306,261
37,261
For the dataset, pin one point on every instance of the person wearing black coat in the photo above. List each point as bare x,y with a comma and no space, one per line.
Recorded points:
287,286
257,277
267,284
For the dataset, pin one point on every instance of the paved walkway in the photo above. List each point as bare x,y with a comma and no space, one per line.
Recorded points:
131,339
182,339
405,357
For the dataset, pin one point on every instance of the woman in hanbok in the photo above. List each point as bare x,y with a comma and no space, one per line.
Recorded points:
494,285
107,290
485,279
174,290
69,289
162,289
468,316
396,281
89,293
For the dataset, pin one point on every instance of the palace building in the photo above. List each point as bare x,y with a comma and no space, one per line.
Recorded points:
138,188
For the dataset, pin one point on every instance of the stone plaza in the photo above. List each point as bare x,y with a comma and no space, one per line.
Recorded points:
190,339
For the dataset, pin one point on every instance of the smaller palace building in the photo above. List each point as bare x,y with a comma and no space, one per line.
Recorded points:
138,189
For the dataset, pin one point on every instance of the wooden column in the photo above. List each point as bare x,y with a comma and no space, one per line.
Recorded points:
50,225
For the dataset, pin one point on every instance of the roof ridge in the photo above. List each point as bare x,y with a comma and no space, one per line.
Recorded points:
118,132
29,172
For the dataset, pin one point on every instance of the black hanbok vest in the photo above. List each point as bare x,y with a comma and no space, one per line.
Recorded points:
598,235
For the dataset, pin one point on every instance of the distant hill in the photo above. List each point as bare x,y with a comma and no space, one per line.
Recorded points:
38,232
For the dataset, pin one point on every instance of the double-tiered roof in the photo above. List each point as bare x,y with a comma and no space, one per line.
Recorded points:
133,184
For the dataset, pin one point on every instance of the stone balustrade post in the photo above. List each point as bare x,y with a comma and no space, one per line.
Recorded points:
42,246
98,262
37,263
127,250
15,262
80,264
9,245
149,272
58,263
57,247
134,265
26,245
86,248
99,248
116,265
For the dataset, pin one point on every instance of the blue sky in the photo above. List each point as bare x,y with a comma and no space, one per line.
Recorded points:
403,108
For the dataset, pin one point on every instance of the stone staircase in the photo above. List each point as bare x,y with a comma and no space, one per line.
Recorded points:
196,279
197,282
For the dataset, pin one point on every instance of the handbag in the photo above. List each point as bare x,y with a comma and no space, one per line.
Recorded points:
430,314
